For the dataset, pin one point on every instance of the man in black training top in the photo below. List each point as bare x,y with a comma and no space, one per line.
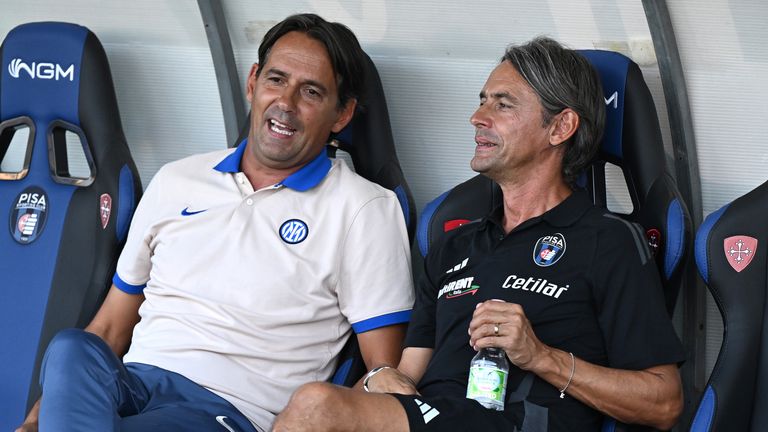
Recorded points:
568,291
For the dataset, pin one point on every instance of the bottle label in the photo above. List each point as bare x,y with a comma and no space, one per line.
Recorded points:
488,382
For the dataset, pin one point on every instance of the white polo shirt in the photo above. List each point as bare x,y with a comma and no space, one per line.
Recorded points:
253,293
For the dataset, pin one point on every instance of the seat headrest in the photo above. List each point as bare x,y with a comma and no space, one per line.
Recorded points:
369,141
612,68
36,69
632,136
57,75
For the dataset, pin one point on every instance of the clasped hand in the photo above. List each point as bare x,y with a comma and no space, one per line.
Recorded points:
391,380
499,324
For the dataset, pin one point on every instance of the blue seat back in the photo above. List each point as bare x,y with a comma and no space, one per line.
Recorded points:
65,225
732,259
632,141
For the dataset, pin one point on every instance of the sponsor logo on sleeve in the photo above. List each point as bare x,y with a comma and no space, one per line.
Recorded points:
29,214
458,288
739,251
458,266
548,250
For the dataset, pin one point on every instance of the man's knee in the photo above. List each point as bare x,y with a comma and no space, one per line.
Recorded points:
316,395
311,406
71,347
71,343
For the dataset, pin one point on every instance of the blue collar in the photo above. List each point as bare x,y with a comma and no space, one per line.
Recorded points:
231,163
307,177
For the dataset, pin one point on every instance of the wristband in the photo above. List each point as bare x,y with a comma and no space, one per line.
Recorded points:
370,375
570,378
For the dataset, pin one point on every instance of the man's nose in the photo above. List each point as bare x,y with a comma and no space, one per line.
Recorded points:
287,100
480,118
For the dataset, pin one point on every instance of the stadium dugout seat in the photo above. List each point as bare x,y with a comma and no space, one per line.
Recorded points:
730,253
68,189
369,142
632,141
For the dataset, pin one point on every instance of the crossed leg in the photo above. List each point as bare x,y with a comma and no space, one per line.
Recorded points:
321,407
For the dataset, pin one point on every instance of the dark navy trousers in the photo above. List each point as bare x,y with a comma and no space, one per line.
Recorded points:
87,388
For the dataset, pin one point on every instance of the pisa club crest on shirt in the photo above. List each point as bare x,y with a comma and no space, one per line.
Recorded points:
739,251
28,215
548,250
294,231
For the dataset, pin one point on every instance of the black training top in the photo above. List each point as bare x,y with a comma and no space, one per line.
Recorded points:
586,281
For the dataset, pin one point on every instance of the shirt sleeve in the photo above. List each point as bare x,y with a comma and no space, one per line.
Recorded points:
134,264
421,330
375,286
638,332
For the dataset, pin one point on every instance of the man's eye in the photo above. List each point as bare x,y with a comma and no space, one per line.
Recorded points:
312,92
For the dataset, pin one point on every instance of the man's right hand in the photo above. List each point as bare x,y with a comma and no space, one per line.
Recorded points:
391,380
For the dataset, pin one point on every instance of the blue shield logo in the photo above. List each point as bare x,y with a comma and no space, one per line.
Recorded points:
548,250
28,215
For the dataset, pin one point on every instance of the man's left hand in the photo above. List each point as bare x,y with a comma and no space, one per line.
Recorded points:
499,324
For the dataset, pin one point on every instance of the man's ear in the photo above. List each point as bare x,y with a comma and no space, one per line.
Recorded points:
250,82
563,126
345,115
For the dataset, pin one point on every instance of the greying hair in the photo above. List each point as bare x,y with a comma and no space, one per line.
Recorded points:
562,78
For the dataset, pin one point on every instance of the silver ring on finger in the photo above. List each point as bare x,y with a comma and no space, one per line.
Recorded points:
496,329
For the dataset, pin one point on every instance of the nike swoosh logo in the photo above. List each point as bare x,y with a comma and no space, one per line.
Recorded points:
186,212
220,419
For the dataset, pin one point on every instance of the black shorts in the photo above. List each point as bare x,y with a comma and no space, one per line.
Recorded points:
439,413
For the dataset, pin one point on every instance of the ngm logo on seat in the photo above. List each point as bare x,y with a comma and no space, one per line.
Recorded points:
41,70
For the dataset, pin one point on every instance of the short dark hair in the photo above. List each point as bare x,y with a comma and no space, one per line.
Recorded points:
563,78
347,57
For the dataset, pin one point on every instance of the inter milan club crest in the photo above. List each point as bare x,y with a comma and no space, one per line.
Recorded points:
28,215
548,250
105,209
739,251
654,240
294,231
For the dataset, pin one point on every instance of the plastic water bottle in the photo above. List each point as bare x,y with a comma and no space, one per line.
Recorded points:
488,378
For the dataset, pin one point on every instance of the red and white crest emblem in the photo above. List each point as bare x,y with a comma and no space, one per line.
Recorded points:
654,240
105,209
739,251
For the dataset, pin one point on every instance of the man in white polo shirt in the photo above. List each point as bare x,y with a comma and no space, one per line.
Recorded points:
245,270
